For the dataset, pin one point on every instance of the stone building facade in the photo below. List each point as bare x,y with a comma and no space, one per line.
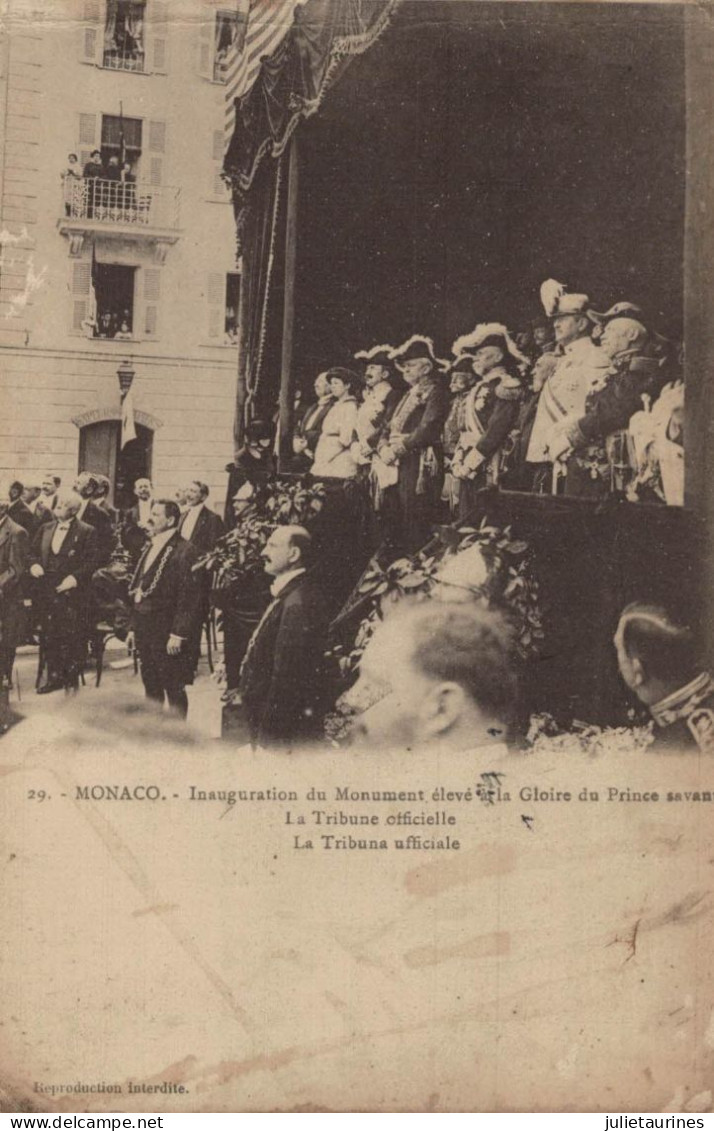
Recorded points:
98,274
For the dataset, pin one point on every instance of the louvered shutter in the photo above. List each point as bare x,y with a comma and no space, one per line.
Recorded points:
206,43
159,18
216,294
81,282
86,137
90,29
151,296
157,148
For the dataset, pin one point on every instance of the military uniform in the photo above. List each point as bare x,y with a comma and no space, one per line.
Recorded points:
597,464
685,719
490,413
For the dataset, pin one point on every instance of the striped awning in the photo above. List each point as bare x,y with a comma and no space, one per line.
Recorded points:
269,21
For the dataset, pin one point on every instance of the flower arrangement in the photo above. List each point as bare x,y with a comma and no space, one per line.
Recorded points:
483,563
238,552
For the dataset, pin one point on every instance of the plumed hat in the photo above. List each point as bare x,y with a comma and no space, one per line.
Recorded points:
619,310
464,364
416,346
557,301
490,334
377,355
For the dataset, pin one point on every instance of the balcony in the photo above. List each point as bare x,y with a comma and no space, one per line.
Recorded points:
130,210
117,60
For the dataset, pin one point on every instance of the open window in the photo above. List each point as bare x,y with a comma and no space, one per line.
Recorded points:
121,142
114,287
221,35
223,292
124,35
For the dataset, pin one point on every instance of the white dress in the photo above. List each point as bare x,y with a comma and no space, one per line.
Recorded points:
333,457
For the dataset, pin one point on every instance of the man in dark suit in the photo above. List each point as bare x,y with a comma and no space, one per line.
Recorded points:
86,485
409,464
48,499
14,549
166,600
282,683
19,511
101,498
199,525
135,528
63,557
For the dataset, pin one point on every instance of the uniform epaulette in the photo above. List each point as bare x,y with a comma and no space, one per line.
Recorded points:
509,388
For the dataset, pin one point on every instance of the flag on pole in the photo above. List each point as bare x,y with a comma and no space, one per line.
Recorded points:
128,426
122,143
268,22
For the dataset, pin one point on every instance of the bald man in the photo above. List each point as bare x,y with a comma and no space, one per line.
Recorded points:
63,557
282,681
588,442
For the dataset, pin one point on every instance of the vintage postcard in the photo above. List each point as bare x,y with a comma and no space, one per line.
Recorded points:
356,706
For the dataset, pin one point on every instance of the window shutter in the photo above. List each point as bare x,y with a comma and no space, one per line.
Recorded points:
89,31
159,12
86,137
216,293
152,295
157,145
217,186
81,282
206,40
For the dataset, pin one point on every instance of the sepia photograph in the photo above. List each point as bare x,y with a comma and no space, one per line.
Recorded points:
356,572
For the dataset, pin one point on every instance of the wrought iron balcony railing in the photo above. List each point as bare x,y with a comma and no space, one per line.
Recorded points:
120,204
115,60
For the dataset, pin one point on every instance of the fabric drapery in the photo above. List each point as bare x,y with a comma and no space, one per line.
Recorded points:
293,80
259,308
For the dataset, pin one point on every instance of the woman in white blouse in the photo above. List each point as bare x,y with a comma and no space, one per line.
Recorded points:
333,457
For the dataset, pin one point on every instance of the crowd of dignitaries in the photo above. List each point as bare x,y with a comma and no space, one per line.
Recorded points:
580,403
73,569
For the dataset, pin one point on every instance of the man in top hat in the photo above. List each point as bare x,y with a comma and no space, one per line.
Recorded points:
63,557
408,465
165,596
379,400
14,549
490,410
462,379
660,661
593,445
580,365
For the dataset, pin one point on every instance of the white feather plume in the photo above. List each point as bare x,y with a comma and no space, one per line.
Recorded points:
367,355
550,292
484,330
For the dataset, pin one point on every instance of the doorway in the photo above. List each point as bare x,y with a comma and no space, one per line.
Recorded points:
100,451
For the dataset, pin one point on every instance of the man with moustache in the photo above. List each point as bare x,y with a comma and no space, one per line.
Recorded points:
165,596
19,511
63,557
409,465
48,499
135,529
282,681
462,379
490,411
593,446
579,367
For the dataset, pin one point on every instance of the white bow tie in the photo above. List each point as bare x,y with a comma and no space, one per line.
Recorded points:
63,526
